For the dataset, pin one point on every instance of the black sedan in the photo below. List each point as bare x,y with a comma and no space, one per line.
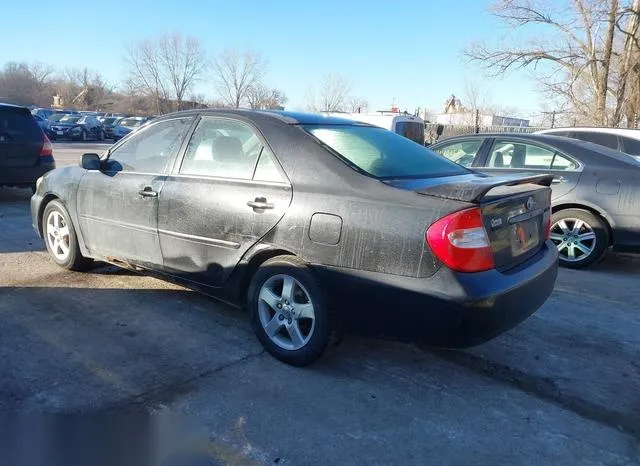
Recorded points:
595,190
309,222
77,127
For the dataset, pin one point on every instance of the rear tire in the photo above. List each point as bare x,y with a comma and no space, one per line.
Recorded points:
60,237
288,311
581,237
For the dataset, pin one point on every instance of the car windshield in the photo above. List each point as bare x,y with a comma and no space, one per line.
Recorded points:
382,153
57,116
130,122
70,119
110,121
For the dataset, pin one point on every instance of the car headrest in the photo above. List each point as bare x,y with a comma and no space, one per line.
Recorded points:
227,148
498,160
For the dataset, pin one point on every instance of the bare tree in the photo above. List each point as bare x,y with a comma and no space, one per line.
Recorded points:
26,84
357,105
578,59
475,99
166,68
334,95
236,74
262,97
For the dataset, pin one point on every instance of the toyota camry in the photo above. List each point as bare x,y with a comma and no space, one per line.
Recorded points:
312,224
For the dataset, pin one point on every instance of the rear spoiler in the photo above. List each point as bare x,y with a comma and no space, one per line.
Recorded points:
472,188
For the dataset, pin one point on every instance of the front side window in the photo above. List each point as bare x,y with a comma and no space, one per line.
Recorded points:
516,154
381,153
461,152
222,148
151,149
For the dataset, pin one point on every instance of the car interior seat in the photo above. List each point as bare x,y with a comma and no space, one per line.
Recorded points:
498,159
519,155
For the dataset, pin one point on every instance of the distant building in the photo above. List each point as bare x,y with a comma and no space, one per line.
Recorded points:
454,113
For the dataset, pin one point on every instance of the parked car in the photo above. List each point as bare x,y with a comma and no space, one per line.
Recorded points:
308,221
595,201
25,151
77,127
620,139
108,124
406,125
126,125
43,123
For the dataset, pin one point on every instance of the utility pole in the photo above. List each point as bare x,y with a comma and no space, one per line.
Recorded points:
553,118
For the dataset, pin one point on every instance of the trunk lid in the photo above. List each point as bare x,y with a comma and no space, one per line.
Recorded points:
515,209
21,138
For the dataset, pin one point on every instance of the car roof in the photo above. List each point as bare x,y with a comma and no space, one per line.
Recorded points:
631,132
288,117
541,137
2,104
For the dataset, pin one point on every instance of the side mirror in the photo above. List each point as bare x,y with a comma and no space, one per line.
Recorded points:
90,162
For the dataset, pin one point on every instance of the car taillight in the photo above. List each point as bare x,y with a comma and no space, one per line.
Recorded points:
460,241
47,148
547,220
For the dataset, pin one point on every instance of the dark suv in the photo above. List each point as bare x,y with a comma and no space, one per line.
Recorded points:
25,151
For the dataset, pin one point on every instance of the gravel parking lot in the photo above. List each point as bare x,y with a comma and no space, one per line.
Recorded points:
562,388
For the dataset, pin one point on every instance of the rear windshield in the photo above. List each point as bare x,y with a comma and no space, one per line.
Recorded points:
382,153
18,125
413,130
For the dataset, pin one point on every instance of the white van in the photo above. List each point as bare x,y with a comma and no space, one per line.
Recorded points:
409,126
621,139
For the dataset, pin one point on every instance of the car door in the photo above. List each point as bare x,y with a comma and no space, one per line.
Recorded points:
226,193
118,205
522,156
462,151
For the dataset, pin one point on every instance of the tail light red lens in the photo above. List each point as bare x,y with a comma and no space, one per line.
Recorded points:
547,220
47,148
460,241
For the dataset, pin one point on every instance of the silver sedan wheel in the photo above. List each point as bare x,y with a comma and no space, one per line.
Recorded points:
286,312
58,236
574,238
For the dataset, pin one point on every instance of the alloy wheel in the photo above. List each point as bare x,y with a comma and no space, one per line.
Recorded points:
58,236
574,238
286,312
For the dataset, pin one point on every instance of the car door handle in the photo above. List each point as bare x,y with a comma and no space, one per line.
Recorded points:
148,192
260,203
559,179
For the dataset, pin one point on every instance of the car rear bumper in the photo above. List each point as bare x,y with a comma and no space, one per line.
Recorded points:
448,309
24,176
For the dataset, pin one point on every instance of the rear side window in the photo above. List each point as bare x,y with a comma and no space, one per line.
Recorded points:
412,130
383,154
18,125
461,152
516,154
631,146
603,139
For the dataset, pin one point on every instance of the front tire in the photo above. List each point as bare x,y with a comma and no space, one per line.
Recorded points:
60,237
581,237
288,311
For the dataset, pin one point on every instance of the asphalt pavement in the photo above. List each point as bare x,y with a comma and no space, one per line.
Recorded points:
561,388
